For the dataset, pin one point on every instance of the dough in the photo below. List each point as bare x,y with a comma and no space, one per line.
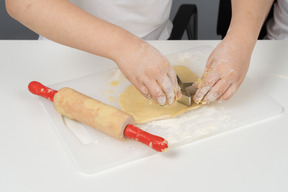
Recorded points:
144,110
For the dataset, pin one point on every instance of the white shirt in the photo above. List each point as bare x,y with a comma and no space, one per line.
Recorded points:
147,19
277,26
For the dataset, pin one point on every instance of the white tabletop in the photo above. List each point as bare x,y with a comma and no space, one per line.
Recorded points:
32,158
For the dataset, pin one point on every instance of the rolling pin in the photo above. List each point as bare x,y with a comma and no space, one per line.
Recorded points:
98,115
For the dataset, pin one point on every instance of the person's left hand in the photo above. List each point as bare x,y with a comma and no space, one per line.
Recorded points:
225,70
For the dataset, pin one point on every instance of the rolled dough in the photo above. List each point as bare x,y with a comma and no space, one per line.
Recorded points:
144,110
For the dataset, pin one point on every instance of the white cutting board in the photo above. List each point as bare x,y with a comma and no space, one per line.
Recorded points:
93,151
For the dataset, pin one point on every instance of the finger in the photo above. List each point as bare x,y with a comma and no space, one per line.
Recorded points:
197,84
209,67
176,89
207,83
232,89
217,91
156,91
167,88
145,92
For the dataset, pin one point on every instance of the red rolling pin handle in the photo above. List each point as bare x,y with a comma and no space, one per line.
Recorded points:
155,142
41,90
131,131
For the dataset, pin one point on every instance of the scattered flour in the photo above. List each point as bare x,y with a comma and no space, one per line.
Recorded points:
191,126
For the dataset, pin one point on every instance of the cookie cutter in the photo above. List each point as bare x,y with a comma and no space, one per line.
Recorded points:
187,90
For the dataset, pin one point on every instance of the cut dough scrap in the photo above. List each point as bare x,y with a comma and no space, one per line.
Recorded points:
144,110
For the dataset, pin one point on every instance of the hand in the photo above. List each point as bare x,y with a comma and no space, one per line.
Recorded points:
151,73
225,70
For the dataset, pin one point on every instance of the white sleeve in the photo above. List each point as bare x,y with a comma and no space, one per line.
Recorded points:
277,26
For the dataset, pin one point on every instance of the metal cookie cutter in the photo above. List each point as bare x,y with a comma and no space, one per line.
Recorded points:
187,91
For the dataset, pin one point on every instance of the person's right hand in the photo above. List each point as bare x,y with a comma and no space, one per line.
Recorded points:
151,73
225,70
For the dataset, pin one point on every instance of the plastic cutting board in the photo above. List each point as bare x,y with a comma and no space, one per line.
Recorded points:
93,151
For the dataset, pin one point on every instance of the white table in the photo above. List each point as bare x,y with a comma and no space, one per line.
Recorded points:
33,159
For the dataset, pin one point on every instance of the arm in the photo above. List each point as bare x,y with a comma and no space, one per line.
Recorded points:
65,23
228,64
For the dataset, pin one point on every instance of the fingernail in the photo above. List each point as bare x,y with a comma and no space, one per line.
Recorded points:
171,98
200,94
161,100
179,94
197,98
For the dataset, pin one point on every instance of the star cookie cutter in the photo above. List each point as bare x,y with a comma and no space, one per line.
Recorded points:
188,91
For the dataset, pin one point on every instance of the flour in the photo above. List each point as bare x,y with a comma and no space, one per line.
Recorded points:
191,126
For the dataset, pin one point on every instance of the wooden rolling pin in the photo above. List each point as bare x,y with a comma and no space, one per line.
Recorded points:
98,115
